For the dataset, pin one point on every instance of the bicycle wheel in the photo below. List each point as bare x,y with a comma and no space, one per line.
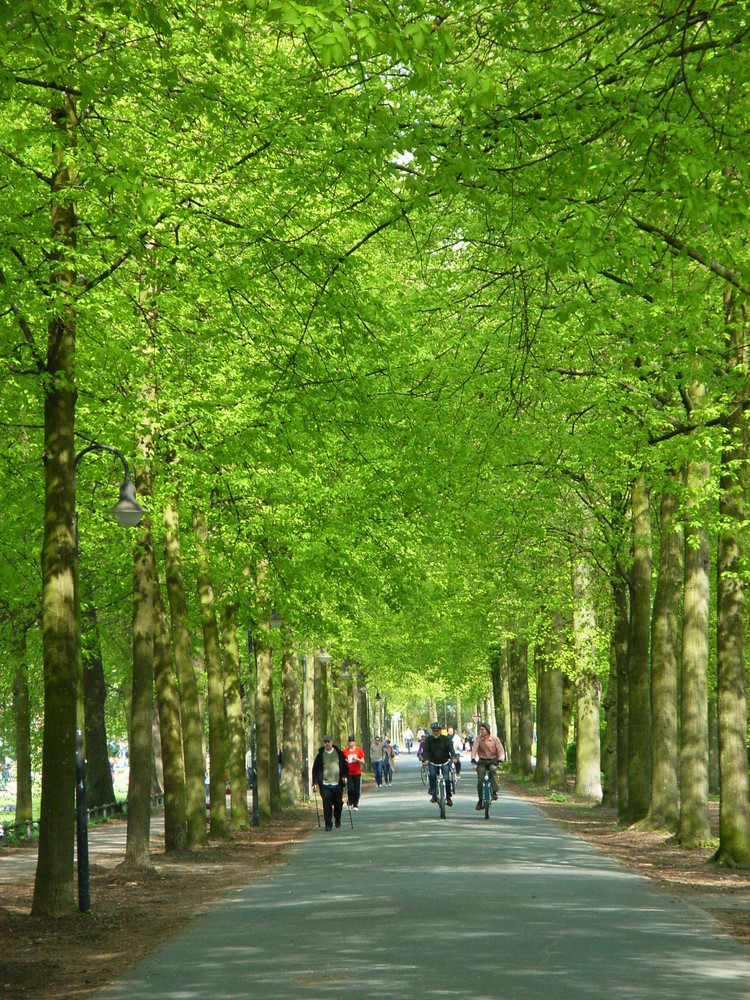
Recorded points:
486,797
424,776
441,796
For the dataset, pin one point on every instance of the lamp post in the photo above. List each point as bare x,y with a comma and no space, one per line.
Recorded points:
304,726
128,513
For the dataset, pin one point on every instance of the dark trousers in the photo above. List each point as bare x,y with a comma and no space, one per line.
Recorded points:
353,789
333,802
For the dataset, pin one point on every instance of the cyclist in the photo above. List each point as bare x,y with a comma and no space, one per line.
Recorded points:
408,738
437,753
487,752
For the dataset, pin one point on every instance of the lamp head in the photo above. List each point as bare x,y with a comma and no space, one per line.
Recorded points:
127,511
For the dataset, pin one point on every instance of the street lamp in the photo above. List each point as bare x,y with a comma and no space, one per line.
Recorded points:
304,725
128,513
324,656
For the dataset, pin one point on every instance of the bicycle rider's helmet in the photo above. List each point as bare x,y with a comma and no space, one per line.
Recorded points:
435,725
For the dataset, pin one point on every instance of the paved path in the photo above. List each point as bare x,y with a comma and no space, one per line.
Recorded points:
106,848
406,905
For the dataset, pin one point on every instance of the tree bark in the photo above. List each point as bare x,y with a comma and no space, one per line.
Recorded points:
694,827
53,884
731,678
588,685
137,854
170,725
520,686
621,633
557,779
192,721
291,756
541,772
217,730
639,682
263,716
237,739
664,812
713,745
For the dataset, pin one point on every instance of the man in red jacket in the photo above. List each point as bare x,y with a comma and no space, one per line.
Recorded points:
354,757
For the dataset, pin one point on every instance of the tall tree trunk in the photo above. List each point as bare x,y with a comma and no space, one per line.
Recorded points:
273,758
22,719
588,686
217,730
639,682
665,642
99,787
190,712
507,712
731,677
170,725
496,673
291,756
557,781
694,827
264,718
620,637
237,740
713,745
141,748
53,885
541,772
609,741
320,702
520,685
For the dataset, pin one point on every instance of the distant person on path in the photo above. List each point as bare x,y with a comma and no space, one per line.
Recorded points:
458,745
389,758
329,773
376,756
488,752
408,739
354,757
437,753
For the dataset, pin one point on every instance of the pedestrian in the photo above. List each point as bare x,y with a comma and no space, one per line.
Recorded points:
376,756
389,758
329,773
437,753
354,757
488,752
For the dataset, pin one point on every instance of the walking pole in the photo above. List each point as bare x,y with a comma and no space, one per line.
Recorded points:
317,812
350,811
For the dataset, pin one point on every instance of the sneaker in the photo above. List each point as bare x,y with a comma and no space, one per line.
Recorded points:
434,798
494,798
479,806
328,827
449,802
355,808
338,823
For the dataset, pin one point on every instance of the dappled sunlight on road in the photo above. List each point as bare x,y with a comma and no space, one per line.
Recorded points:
407,904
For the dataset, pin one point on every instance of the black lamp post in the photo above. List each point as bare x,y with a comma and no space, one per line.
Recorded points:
128,513
304,727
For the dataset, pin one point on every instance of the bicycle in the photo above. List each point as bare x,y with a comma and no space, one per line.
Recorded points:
486,793
441,790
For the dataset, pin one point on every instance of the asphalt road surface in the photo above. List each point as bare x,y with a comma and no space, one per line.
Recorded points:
407,905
